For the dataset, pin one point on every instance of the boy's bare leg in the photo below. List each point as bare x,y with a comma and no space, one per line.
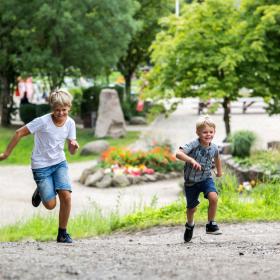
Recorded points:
65,208
190,215
50,204
213,202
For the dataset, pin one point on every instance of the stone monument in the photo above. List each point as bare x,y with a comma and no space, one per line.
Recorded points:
110,118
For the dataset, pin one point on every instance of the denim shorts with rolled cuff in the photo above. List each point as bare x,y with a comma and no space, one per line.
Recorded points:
192,191
51,179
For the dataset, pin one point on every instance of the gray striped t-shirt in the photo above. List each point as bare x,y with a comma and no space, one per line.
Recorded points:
204,156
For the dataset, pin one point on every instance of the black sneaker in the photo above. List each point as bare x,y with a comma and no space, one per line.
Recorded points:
64,238
212,228
36,199
188,232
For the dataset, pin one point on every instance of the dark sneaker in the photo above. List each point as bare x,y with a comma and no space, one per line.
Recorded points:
188,232
36,199
64,238
212,228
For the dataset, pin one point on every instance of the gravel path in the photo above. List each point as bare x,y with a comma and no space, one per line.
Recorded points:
244,251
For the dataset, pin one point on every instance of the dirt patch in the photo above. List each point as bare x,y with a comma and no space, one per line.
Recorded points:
244,251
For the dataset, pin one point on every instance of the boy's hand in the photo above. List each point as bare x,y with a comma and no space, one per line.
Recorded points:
73,146
195,164
3,156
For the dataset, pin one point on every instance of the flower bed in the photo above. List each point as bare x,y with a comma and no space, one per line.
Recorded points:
123,167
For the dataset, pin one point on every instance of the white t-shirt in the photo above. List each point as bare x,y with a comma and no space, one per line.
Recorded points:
49,140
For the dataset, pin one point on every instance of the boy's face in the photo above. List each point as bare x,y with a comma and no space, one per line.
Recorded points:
206,134
60,113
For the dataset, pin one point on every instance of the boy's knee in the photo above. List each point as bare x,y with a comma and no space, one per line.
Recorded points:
191,210
65,197
50,204
212,197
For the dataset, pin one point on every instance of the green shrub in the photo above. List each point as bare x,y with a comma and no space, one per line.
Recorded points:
42,109
27,112
241,143
77,101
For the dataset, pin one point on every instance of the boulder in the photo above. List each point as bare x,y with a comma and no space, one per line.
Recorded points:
110,118
105,182
120,181
94,147
94,178
87,172
136,120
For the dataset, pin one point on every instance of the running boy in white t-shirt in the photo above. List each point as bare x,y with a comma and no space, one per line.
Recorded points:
49,166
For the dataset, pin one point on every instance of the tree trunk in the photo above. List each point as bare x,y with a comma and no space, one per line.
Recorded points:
128,86
5,102
226,106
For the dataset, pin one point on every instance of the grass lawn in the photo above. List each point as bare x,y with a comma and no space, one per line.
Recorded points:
22,152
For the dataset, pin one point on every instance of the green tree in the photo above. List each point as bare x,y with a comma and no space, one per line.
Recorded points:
263,41
58,38
86,37
138,49
14,42
200,54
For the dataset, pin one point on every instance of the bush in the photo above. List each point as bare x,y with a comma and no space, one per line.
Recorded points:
77,101
42,109
242,142
27,112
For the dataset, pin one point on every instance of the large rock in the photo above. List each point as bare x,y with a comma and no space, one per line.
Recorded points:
87,172
120,181
137,120
94,147
110,118
94,178
105,182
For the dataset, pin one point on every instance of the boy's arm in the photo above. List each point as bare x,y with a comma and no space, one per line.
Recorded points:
182,156
73,146
218,164
21,132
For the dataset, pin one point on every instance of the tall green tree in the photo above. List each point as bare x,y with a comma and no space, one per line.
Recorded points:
59,38
138,49
14,42
86,37
263,41
200,54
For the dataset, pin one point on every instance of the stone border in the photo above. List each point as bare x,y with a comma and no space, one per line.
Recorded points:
244,174
96,176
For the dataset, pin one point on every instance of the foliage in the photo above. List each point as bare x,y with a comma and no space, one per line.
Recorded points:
138,49
21,153
47,38
77,100
241,143
262,19
159,159
30,111
200,54
27,112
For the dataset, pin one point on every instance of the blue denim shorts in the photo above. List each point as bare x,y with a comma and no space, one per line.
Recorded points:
192,192
51,179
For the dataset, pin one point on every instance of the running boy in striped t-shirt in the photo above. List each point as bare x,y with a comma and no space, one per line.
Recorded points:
198,156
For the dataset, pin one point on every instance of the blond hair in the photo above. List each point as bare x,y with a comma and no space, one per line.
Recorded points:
204,121
60,97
